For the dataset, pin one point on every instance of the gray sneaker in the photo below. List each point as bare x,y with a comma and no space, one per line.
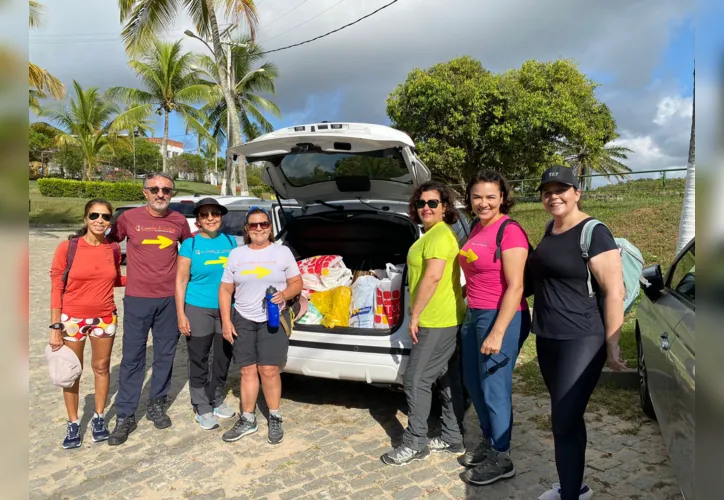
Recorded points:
276,431
496,466
439,445
478,455
207,421
224,411
403,455
241,428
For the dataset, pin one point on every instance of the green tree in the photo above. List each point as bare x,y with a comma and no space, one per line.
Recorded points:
39,142
148,158
463,118
171,85
596,158
70,161
189,164
146,18
85,123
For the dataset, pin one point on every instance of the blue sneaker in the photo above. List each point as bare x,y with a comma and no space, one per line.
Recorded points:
224,411
207,421
72,436
100,431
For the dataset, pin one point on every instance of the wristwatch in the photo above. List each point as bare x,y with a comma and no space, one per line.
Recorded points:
56,326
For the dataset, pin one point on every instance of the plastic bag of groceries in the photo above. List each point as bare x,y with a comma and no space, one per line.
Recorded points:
334,305
324,272
311,317
388,298
362,307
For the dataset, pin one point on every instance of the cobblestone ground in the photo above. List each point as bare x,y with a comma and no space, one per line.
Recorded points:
335,433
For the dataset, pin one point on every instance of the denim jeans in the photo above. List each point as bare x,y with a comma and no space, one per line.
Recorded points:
492,393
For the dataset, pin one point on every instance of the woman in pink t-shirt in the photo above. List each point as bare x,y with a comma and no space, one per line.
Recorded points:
496,324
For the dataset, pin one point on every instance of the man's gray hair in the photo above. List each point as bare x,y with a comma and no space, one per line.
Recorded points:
153,175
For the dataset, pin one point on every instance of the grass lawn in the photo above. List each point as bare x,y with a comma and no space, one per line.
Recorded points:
70,210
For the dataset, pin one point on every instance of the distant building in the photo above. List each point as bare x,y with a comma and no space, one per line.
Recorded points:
173,148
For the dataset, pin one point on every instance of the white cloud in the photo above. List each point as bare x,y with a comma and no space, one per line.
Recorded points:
671,107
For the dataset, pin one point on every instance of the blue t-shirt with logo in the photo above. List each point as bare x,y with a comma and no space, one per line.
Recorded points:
208,260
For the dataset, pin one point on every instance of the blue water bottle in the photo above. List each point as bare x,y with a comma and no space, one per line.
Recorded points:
272,309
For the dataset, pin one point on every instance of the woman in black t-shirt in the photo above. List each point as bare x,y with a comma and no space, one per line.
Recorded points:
576,333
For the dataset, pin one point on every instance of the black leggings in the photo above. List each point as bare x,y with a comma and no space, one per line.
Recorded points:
570,369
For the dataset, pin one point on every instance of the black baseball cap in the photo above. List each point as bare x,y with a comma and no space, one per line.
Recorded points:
560,174
205,202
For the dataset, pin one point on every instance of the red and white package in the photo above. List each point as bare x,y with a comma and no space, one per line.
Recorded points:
388,298
324,272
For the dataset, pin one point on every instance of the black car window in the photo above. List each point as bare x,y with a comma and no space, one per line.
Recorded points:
233,222
462,228
682,278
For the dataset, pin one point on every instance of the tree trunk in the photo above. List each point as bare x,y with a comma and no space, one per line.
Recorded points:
164,143
234,127
87,170
687,226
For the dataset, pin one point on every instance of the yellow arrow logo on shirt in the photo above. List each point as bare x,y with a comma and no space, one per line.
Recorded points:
470,255
220,260
161,241
259,271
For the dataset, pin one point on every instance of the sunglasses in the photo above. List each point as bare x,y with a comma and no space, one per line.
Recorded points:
154,190
209,215
497,366
254,225
95,215
433,204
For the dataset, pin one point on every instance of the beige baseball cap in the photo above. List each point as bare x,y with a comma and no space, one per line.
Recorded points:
63,365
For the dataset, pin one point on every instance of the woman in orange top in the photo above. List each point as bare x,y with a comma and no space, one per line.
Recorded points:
82,306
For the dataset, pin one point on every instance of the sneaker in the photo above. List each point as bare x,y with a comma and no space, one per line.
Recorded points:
156,413
555,493
477,456
98,426
241,428
276,431
224,411
403,455
72,436
496,466
124,426
439,445
207,421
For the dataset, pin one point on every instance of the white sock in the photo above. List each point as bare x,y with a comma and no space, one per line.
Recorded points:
249,416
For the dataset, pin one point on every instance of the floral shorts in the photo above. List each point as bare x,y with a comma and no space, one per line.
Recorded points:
77,329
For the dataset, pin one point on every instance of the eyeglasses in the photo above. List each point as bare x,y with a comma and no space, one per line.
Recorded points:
95,215
497,366
254,225
433,204
209,215
154,190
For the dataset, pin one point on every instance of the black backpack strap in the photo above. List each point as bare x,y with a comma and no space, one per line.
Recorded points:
69,257
499,239
232,242
549,227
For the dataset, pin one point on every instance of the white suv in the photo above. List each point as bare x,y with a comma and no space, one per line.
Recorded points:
352,183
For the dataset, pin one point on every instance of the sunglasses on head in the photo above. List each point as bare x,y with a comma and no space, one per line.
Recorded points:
208,215
254,225
95,215
154,190
433,204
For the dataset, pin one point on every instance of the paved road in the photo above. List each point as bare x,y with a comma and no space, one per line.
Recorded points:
335,433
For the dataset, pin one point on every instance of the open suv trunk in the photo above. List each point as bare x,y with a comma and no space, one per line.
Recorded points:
365,240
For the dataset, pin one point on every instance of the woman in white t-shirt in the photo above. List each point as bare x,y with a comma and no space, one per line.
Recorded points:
261,351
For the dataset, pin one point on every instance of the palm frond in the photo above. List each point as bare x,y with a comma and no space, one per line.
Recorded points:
35,11
131,119
43,81
238,10
144,19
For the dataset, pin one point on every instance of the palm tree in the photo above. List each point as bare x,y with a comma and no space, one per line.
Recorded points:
85,123
41,82
172,85
687,226
247,81
586,160
144,18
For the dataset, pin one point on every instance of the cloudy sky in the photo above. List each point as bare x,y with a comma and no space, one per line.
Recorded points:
641,51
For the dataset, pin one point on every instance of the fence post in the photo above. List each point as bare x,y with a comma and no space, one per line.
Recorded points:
663,179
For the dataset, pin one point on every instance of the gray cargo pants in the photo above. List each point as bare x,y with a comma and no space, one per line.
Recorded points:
428,364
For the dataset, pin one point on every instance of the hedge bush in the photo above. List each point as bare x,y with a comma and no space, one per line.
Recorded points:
111,191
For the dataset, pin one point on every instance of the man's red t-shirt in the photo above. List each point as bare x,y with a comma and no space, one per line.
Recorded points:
151,250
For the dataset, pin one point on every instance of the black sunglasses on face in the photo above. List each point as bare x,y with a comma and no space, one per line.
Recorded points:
95,215
166,191
208,215
254,225
497,366
433,204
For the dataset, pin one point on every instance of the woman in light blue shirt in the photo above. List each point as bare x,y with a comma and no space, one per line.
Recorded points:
201,263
